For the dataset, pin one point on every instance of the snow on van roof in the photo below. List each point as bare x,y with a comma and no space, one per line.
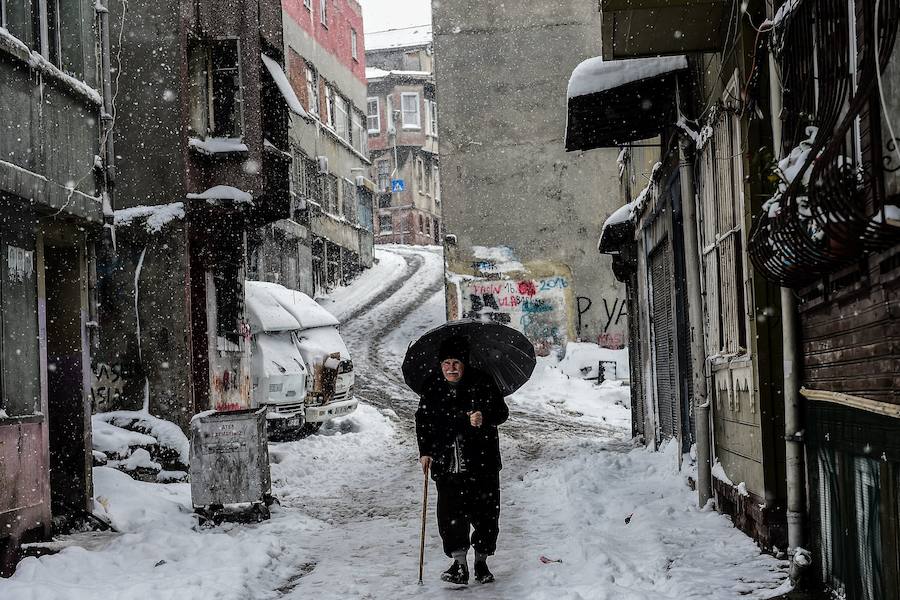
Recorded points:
273,307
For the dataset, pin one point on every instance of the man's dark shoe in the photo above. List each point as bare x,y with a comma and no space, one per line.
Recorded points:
482,573
458,573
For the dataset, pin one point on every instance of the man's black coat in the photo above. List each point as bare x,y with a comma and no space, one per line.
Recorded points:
443,414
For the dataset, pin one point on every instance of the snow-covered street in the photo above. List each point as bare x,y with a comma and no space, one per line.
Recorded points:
620,519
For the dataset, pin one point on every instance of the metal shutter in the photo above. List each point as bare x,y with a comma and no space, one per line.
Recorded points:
663,341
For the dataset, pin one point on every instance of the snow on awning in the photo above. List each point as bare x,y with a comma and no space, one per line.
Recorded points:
611,103
223,192
615,228
284,86
597,75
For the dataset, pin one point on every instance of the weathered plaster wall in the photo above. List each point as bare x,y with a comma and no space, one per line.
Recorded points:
501,77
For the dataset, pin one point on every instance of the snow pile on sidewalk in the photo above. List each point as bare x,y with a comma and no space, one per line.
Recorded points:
138,442
552,391
162,554
583,360
626,526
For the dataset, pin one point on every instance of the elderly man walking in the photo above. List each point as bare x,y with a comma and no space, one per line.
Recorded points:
456,426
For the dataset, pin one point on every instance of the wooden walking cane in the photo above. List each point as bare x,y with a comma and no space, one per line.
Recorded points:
422,539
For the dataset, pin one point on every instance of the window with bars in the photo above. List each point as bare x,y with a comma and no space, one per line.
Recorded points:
385,224
348,200
331,195
384,174
722,238
373,115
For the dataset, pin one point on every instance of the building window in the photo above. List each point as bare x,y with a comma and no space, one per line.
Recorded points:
342,117
435,187
354,50
323,12
421,224
384,201
420,175
722,239
216,89
329,106
348,200
384,175
432,118
15,17
360,139
330,193
308,5
409,103
312,89
64,21
428,226
384,224
373,118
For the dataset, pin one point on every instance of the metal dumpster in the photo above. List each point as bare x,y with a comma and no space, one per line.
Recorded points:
230,465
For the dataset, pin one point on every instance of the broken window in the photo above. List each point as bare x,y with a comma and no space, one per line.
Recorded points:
216,102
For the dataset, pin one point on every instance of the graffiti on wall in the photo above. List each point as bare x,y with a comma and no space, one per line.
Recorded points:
536,307
611,317
107,385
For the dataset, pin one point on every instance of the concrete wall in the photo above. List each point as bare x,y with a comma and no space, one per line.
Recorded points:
501,77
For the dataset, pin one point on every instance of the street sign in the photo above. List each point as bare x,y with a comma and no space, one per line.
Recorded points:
398,185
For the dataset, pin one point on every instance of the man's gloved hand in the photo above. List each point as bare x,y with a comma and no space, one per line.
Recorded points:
475,418
426,463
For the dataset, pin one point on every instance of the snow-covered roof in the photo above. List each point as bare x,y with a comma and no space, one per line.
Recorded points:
418,35
596,75
376,73
273,307
284,86
223,192
155,217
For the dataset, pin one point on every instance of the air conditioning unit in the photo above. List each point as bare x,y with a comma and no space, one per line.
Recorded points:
322,161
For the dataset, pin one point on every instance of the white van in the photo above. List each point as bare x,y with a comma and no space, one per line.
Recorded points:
301,370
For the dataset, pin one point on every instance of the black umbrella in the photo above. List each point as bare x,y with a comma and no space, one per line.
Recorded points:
495,349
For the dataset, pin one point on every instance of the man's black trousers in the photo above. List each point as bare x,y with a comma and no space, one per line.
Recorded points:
466,501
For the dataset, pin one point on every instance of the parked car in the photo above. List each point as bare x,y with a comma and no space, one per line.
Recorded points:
301,370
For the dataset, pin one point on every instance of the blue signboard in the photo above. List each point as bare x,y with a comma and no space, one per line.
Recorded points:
398,185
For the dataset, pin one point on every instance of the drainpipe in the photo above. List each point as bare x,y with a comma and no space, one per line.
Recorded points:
794,447
695,314
109,159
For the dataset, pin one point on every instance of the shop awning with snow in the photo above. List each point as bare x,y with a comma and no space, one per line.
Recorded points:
611,103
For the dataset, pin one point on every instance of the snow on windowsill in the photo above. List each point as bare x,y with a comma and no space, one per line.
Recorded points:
217,145
595,75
